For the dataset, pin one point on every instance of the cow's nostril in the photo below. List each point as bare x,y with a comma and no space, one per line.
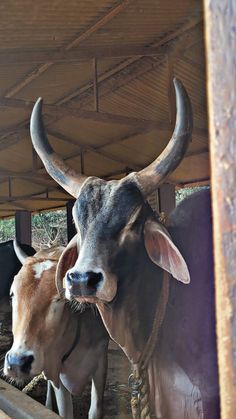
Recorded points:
26,363
71,277
20,362
84,280
94,279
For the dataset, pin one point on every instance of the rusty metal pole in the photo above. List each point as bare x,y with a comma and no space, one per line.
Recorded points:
220,22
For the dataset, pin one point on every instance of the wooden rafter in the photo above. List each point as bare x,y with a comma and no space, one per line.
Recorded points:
5,199
17,206
92,149
95,85
196,153
20,56
61,111
124,170
200,66
79,38
186,34
183,34
194,182
171,93
134,62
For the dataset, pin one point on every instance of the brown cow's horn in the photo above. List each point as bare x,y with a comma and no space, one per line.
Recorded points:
20,254
55,166
154,174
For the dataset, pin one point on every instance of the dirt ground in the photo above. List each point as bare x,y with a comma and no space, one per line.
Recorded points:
117,396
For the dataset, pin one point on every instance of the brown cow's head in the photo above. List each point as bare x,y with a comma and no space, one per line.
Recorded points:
37,313
116,228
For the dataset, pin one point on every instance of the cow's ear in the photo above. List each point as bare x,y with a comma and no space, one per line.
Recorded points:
66,261
163,252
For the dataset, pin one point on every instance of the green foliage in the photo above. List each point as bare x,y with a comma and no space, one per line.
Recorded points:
48,229
184,192
7,229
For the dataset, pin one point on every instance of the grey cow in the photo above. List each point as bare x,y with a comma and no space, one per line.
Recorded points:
122,254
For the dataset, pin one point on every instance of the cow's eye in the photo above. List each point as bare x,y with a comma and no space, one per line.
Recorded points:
57,300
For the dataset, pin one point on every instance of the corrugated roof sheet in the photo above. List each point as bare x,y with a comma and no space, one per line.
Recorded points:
132,85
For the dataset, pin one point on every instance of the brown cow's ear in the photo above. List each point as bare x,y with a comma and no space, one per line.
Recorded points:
66,261
163,252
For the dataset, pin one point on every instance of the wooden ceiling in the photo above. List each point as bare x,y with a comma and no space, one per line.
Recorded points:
105,71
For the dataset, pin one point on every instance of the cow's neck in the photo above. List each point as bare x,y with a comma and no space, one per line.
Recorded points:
61,345
129,318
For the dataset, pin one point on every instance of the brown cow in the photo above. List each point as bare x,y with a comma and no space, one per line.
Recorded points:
50,336
122,252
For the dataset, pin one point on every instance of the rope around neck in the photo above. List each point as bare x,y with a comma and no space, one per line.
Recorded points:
138,380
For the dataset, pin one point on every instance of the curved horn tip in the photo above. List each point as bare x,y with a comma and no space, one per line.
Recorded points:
20,254
38,105
40,99
179,86
183,100
177,82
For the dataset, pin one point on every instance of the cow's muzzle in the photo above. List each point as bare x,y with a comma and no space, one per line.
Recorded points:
86,283
89,284
18,365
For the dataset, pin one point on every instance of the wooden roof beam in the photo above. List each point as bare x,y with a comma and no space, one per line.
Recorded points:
182,35
36,72
197,153
185,32
5,199
62,111
194,182
92,149
54,56
24,175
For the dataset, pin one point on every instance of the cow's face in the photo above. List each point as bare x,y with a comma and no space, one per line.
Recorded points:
36,317
109,218
117,232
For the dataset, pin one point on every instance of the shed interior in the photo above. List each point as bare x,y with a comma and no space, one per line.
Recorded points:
105,71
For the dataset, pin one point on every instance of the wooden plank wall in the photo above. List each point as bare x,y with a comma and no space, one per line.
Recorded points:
220,22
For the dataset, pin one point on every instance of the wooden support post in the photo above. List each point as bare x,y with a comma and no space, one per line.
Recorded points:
82,160
71,230
166,198
23,226
34,160
95,85
220,18
171,90
9,187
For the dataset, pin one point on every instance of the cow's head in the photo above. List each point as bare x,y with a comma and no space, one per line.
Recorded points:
112,216
37,313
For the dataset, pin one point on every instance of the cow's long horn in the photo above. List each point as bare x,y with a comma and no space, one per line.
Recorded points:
20,254
154,174
55,166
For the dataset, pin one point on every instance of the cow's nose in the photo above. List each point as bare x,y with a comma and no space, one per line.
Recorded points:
21,363
93,279
90,279
72,277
